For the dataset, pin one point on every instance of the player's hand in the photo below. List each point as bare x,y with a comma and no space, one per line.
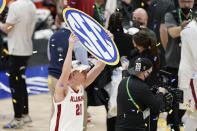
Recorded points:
72,40
184,23
162,90
110,34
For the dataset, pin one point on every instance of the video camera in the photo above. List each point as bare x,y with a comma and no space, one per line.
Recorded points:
174,95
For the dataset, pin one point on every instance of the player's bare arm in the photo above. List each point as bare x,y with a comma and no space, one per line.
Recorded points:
61,86
93,73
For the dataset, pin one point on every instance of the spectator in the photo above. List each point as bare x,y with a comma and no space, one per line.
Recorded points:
19,26
123,41
125,8
156,22
175,21
140,20
188,72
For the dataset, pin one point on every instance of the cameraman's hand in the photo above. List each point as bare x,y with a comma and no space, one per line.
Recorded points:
162,90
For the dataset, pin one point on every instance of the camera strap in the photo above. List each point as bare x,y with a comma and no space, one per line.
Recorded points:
130,97
146,113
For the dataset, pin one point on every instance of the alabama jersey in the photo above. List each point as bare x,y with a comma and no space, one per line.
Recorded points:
69,113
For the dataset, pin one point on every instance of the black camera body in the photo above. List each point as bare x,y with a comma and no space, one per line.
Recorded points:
174,95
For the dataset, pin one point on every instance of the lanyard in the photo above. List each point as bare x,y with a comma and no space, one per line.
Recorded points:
180,17
131,98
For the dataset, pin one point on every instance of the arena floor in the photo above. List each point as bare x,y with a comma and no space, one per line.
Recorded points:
40,112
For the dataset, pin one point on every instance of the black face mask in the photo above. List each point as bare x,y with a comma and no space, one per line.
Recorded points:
186,10
137,24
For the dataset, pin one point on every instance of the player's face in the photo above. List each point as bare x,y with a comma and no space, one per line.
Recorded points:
79,76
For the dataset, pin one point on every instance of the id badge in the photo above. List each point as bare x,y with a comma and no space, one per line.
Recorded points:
146,113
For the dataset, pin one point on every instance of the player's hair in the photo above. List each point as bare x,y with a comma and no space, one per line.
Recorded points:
143,39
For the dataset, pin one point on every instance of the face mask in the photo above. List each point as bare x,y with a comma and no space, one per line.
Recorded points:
137,24
186,10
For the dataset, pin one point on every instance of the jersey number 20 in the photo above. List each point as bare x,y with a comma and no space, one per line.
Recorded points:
78,109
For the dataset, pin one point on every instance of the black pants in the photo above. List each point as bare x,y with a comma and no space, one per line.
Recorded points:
175,118
17,67
136,129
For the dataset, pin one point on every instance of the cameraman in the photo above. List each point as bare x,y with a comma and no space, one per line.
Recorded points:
135,100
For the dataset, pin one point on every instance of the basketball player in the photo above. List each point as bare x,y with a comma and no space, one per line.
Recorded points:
187,74
68,97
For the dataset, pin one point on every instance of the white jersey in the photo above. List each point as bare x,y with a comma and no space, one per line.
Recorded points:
188,64
69,113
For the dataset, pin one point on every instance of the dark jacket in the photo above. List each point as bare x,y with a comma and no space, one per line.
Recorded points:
141,94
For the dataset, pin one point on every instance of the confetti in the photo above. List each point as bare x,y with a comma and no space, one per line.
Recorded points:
4,117
24,106
41,68
0,27
16,77
102,17
155,5
162,122
158,44
7,74
60,59
73,2
118,30
9,27
5,51
146,125
168,129
170,112
52,45
93,6
14,101
78,87
133,110
28,41
155,26
155,58
117,9
181,128
142,4
18,21
193,75
154,119
52,40
61,85
191,117
173,80
60,55
12,89
192,110
80,71
49,81
34,52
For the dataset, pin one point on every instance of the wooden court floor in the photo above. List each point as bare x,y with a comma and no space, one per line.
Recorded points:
40,112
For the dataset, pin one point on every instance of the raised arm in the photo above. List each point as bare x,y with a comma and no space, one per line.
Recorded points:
93,73
97,69
61,86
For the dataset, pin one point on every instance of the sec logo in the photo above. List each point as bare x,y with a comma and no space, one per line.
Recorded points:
2,5
92,36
